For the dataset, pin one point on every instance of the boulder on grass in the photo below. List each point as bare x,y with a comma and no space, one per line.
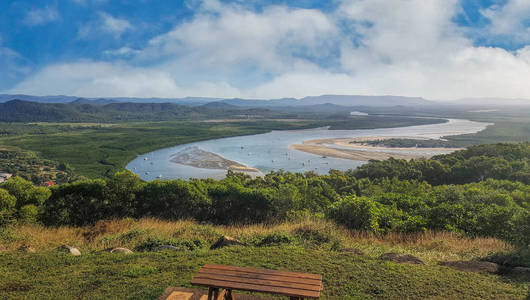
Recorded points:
472,266
27,249
401,258
227,241
69,249
120,250
353,250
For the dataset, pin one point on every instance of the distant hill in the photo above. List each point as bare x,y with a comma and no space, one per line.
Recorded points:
220,105
41,99
79,111
343,100
188,101
24,111
100,101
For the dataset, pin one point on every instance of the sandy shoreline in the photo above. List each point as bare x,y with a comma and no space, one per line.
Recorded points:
364,152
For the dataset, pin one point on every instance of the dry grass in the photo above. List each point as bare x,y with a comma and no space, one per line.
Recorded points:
429,246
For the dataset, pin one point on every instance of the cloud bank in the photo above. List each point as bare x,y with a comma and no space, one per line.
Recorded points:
371,47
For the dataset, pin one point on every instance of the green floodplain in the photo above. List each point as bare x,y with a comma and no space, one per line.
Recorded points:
471,205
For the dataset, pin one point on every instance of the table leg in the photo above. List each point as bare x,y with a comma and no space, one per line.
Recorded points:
221,296
230,295
212,293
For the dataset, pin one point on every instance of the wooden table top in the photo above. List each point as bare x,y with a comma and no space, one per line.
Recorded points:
258,280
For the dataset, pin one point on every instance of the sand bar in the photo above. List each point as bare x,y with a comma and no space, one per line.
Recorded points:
198,158
354,149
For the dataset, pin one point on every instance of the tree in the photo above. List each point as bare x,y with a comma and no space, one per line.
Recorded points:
355,213
7,207
120,192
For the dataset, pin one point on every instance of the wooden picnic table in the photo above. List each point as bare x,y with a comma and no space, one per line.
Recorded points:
229,278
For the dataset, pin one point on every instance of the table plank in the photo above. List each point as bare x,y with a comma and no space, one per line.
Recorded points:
251,275
272,283
255,288
263,271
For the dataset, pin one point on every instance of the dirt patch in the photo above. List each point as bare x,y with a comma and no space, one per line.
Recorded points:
472,266
402,258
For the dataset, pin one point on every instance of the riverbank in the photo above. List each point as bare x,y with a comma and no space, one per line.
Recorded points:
357,149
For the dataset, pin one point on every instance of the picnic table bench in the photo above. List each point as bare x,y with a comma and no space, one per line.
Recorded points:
229,278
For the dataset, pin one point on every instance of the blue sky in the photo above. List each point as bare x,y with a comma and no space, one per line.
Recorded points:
439,49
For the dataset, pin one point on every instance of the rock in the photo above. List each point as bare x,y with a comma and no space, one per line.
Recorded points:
521,270
27,249
166,247
227,241
353,250
472,266
70,249
121,250
401,258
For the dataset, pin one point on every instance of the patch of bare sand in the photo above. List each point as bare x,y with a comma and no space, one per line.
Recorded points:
354,149
195,157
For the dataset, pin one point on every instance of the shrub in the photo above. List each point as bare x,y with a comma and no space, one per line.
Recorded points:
355,213
7,207
317,235
28,214
275,238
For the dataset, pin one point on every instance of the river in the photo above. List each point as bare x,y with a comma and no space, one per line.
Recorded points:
270,151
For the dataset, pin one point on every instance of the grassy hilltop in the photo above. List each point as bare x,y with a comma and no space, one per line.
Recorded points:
305,246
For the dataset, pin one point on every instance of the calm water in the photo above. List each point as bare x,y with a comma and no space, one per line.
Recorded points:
270,151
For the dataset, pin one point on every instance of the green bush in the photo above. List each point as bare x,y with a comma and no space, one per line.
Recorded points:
7,208
275,238
356,213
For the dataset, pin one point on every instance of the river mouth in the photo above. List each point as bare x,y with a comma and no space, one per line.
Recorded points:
274,151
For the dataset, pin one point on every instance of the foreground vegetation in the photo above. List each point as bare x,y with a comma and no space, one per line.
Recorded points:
482,191
304,246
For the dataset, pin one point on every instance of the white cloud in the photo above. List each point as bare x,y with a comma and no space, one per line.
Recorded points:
94,79
399,47
41,16
510,19
222,36
123,51
106,24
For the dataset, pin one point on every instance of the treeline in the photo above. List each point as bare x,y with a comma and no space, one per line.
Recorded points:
477,163
487,206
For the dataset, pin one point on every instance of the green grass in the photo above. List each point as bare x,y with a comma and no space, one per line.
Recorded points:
304,246
96,275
